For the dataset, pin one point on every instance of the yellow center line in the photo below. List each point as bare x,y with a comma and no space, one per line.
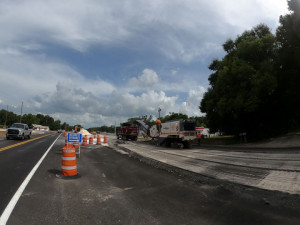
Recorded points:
23,142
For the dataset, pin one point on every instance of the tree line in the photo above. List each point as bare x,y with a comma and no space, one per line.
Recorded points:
8,118
254,89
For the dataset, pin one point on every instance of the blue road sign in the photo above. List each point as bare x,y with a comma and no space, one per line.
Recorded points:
74,137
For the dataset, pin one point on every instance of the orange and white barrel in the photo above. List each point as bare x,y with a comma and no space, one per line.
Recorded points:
76,145
84,140
98,140
91,142
105,139
68,164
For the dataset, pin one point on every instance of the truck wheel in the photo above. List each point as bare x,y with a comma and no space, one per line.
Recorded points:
28,137
7,138
180,145
23,137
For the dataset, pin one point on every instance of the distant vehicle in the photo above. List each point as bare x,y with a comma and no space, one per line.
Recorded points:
59,131
18,130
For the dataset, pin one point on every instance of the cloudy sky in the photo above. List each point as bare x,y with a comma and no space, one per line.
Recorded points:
94,62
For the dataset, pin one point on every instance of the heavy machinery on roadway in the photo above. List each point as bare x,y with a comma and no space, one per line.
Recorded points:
179,133
127,131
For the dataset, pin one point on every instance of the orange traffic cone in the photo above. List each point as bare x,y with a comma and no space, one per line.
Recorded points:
84,140
68,164
91,142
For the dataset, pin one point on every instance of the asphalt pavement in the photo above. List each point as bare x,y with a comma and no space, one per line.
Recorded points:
189,186
273,165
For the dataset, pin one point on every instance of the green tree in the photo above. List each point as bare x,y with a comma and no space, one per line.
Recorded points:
288,67
243,84
174,116
11,117
30,119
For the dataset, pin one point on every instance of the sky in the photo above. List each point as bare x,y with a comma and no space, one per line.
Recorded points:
100,62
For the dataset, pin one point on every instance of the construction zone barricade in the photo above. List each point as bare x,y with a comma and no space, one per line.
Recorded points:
68,163
91,141
76,145
67,145
98,140
105,142
84,140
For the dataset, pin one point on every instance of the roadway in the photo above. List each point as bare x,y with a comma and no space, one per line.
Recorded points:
17,158
267,168
115,188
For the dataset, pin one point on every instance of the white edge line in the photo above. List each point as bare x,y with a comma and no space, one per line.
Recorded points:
11,205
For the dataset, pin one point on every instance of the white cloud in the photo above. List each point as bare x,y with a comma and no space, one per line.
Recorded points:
33,75
70,103
192,103
180,30
147,79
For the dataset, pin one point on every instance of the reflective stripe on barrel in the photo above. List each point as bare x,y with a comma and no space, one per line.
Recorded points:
91,141
84,140
68,163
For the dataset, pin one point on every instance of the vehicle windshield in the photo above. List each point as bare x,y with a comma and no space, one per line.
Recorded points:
17,125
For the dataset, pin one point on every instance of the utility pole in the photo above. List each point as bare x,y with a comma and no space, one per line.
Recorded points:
21,112
6,117
159,109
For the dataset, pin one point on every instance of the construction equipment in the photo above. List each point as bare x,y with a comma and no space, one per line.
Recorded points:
179,133
127,131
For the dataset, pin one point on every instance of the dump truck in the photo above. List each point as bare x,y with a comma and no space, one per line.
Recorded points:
127,132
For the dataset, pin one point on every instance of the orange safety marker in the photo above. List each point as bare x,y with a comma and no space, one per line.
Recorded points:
91,142
68,163
66,142
67,145
105,139
84,140
76,145
98,140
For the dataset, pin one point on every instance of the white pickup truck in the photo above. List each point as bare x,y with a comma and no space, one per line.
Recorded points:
18,130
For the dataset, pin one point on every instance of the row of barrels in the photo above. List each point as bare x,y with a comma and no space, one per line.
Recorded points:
69,165
91,141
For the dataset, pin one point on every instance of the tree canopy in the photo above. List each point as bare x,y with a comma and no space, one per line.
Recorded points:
40,119
255,87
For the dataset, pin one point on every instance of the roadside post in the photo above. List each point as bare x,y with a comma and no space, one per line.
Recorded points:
75,137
